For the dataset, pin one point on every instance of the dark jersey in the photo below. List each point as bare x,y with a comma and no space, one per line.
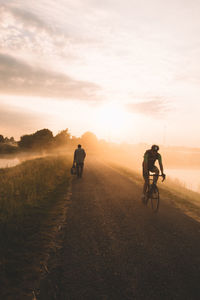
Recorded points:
150,158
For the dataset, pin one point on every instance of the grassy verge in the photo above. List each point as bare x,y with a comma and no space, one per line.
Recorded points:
183,198
32,197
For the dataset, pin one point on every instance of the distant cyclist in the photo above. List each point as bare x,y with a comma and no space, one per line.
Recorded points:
150,157
79,157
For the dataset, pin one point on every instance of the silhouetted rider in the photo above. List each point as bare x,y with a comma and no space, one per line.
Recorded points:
150,157
79,156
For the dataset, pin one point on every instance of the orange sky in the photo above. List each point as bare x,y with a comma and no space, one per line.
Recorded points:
126,70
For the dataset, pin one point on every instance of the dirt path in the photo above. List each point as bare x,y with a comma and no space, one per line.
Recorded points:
114,248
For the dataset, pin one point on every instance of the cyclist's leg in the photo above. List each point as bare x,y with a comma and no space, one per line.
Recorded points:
156,173
146,181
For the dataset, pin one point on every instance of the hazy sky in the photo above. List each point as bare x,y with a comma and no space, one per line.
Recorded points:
126,70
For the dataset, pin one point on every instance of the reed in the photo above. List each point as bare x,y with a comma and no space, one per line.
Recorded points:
27,184
32,197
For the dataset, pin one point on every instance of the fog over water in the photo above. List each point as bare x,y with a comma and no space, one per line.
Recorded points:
188,177
7,163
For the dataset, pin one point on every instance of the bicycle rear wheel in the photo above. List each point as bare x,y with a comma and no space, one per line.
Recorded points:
155,199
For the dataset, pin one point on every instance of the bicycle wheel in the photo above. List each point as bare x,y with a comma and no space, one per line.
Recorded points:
155,198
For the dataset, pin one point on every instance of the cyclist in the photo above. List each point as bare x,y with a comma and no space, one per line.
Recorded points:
79,156
150,157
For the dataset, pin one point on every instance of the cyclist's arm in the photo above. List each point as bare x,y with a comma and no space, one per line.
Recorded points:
145,163
160,163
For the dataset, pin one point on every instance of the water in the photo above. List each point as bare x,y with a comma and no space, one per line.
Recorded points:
7,163
190,178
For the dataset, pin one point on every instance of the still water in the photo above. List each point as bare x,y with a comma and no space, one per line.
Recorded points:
7,163
190,178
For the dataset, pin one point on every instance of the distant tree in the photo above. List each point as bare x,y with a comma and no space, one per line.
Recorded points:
26,141
62,138
74,141
12,140
41,139
6,140
1,138
89,139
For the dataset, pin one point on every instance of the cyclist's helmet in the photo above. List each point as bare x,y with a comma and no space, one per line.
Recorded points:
155,147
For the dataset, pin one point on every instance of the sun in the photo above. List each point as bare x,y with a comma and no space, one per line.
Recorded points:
112,120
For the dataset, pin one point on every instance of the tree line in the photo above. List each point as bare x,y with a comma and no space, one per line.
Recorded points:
45,140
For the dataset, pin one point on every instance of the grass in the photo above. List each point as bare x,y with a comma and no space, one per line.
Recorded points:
32,200
183,198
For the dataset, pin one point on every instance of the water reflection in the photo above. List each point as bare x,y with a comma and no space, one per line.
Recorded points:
7,163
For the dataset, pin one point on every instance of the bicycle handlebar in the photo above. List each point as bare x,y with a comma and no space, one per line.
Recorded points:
158,176
155,175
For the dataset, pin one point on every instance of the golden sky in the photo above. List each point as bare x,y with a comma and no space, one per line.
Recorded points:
125,70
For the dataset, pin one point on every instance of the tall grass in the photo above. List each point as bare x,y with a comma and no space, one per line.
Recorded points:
26,185
31,203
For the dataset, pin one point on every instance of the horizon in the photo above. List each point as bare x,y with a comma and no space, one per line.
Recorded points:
141,143
128,74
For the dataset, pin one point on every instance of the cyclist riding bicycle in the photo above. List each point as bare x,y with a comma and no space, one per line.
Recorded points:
150,157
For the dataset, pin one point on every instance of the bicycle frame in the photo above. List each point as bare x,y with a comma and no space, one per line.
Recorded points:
153,193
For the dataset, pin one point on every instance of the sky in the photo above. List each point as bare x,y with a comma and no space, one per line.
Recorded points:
129,71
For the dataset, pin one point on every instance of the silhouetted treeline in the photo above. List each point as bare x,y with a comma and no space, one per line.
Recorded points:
10,140
43,140
7,145
130,155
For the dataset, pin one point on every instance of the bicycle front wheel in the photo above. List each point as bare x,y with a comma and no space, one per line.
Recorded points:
155,199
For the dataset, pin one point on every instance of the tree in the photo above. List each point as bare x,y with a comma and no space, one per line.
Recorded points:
1,138
41,139
26,141
62,138
89,139
12,140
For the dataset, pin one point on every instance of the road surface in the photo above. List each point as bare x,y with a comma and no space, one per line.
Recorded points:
115,248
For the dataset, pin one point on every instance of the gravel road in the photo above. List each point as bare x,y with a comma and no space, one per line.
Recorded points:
115,248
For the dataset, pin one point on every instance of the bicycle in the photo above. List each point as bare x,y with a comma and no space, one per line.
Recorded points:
152,193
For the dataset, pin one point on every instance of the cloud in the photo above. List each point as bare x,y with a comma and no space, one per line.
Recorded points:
19,78
25,18
154,108
13,116
25,33
16,122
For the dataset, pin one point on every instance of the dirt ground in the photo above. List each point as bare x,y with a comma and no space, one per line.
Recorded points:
115,248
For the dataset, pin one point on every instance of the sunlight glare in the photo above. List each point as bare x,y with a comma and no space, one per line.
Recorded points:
113,120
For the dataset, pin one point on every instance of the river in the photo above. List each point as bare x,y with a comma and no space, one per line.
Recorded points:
8,162
190,178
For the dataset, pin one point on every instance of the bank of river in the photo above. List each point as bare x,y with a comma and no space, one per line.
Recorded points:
189,178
